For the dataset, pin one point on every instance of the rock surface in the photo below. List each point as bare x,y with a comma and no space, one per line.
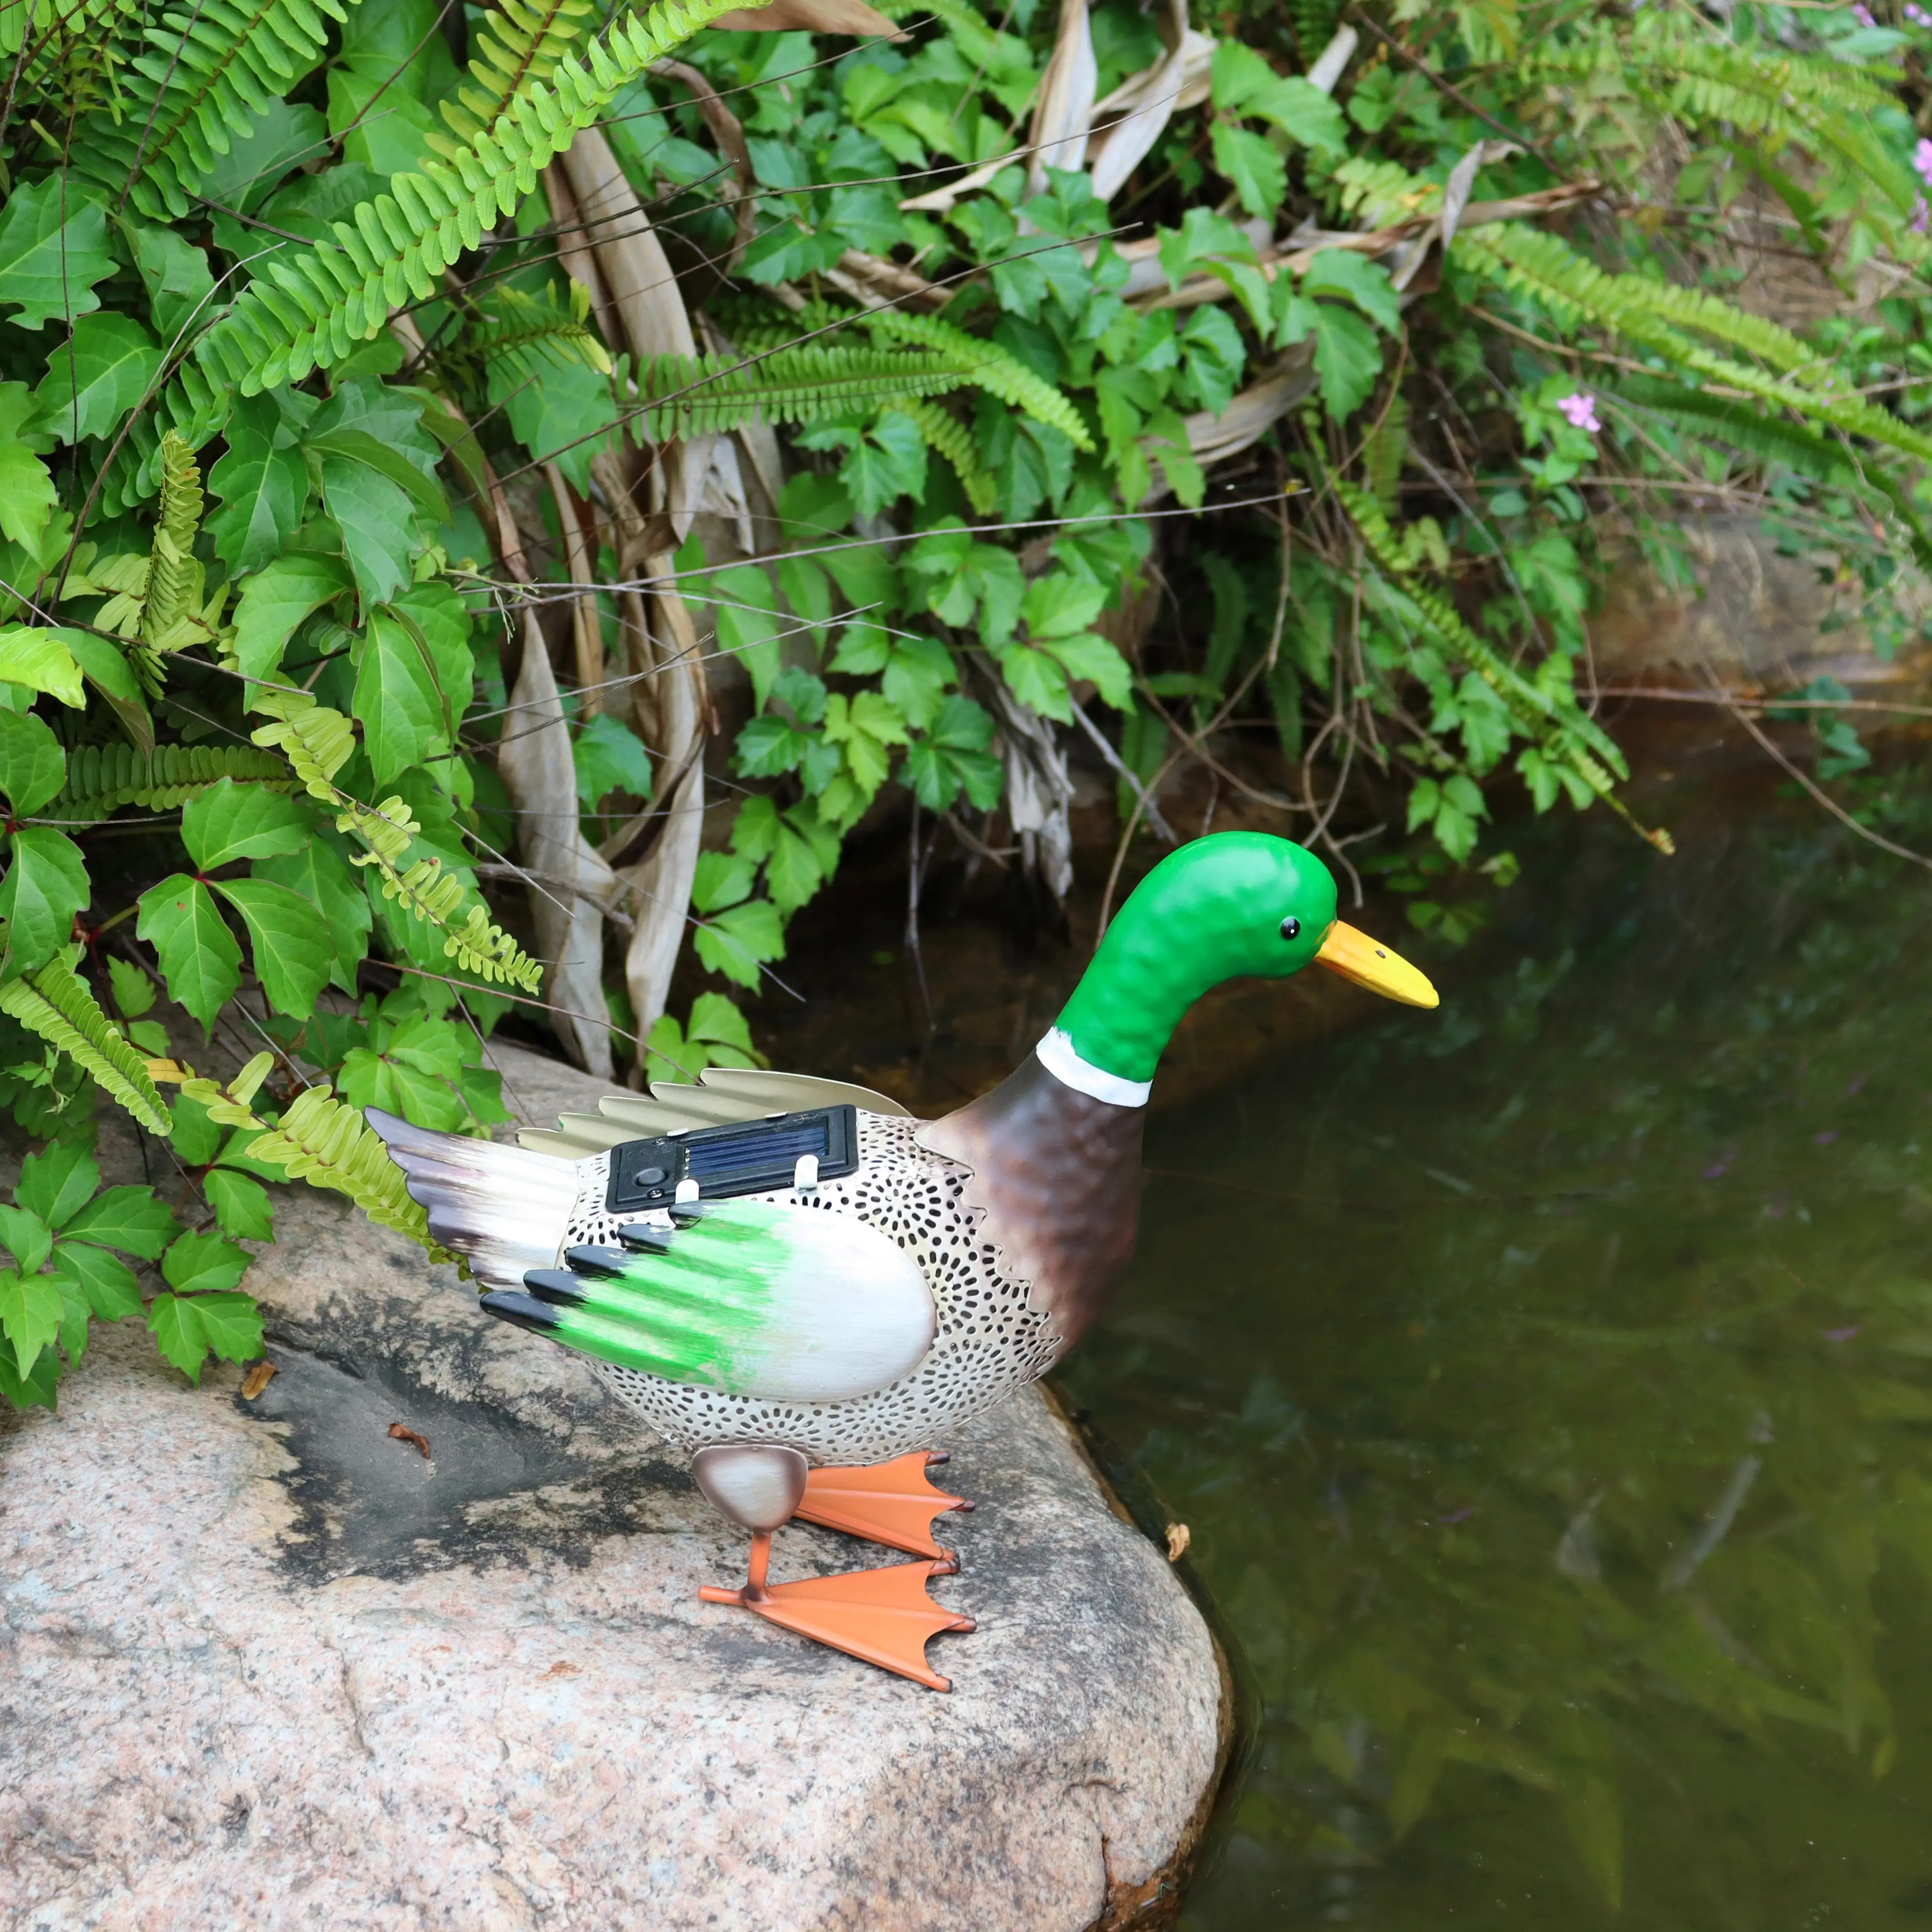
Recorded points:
261,1663
1753,620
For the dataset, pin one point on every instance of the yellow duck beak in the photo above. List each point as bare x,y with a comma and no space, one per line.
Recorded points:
1368,963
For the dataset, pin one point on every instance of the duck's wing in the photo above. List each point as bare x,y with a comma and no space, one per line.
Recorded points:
723,1094
505,1209
783,1303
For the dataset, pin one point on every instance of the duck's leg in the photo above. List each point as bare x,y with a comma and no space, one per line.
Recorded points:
883,1616
891,1503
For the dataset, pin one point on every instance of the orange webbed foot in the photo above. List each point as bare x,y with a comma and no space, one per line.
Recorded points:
883,1616
891,1503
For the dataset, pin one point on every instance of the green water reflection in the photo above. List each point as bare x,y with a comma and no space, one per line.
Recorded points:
1547,1384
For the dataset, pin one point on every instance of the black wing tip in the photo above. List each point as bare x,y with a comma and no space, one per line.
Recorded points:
559,1288
521,1311
642,1238
604,1263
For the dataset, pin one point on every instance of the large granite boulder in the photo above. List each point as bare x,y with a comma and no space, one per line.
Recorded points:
263,1662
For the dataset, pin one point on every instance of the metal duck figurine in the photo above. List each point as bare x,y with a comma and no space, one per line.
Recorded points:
803,1287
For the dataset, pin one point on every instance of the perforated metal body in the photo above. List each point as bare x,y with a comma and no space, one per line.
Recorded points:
991,1340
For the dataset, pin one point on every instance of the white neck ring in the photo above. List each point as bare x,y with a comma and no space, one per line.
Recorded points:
1056,1053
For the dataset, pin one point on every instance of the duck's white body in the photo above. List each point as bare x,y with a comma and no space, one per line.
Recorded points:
926,1346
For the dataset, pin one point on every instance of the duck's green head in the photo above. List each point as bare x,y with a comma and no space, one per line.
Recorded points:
1238,904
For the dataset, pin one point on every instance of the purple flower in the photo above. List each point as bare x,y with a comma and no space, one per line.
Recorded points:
1921,161
1579,408
1863,16
1842,1334
1919,217
1917,16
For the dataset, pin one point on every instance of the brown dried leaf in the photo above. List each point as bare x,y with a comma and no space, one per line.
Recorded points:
814,17
258,1377
1178,1538
401,1432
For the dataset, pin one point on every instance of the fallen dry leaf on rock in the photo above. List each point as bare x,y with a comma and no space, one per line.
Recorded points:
1178,1538
257,1378
403,1434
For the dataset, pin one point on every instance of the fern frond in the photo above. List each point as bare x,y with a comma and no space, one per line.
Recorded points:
102,779
1772,439
516,45
71,54
954,441
1566,736
56,1004
207,73
326,1142
192,407
431,895
1681,67
685,396
527,333
170,618
314,304
989,366
317,741
1576,291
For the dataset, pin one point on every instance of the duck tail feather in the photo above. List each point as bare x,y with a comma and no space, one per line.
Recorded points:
505,1209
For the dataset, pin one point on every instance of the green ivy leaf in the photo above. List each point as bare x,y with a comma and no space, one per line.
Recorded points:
1243,82
747,624
38,1386
107,1283
1254,170
33,767
133,991
58,1181
41,660
238,820
200,961
30,1315
397,698
1342,271
378,531
102,665
26,1238
175,273
196,1263
610,757
1348,359
294,950
263,488
27,492
130,1219
275,600
74,1313
1095,659
721,879
321,875
1057,604
53,249
734,942
175,1325
562,413
98,376
1037,681
45,885
233,1323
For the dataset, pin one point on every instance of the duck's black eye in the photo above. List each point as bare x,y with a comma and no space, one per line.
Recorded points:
1290,928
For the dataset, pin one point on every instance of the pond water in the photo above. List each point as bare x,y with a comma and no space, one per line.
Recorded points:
1546,1383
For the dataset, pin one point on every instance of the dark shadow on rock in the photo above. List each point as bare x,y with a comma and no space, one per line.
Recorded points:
493,1490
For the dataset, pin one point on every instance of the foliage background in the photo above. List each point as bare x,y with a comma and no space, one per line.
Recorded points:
491,500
